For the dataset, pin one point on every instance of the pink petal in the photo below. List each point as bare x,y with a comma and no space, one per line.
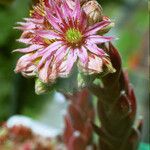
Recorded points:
51,48
72,57
94,65
94,49
71,4
30,71
83,21
96,27
26,25
58,11
37,55
83,55
34,20
62,69
27,34
77,10
38,39
67,16
99,39
29,49
49,72
53,21
23,65
48,34
25,40
66,10
61,53
44,72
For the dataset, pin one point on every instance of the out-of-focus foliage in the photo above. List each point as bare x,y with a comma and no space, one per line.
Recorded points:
132,24
6,2
8,16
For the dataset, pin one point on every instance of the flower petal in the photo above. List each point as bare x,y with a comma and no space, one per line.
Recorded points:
25,26
83,55
44,72
48,34
48,52
52,20
61,53
27,68
94,49
72,57
25,40
29,49
97,39
34,20
77,10
66,10
94,65
96,27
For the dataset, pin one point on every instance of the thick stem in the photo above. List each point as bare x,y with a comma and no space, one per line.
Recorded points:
116,109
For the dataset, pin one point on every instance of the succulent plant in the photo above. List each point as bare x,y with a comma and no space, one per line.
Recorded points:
62,34
116,109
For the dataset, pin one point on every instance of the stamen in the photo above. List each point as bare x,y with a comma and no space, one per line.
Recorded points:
49,41
73,36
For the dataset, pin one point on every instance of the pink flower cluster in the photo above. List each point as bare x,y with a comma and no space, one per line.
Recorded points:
58,36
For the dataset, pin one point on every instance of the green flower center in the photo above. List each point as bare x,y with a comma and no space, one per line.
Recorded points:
73,36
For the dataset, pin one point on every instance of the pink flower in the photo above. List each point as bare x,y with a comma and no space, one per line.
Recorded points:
58,37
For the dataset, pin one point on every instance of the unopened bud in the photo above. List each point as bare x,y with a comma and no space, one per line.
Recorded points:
93,11
40,87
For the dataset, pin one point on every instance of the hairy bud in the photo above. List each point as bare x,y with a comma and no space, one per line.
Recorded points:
93,10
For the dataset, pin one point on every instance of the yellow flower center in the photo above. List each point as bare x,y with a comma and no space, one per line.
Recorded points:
73,36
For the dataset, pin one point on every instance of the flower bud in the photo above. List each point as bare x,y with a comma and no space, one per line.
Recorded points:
93,11
40,87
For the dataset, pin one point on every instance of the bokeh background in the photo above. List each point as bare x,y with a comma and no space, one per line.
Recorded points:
17,94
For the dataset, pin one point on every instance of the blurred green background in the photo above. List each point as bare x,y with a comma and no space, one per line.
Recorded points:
17,94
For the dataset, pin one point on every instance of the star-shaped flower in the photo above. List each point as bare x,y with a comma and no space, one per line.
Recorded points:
58,37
